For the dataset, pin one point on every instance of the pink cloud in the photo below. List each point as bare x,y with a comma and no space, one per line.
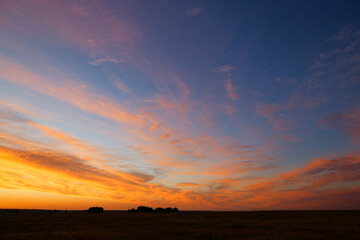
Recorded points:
290,138
77,9
267,110
81,26
121,86
281,124
231,90
194,11
348,123
278,121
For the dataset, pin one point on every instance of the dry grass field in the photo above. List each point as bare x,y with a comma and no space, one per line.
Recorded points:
183,225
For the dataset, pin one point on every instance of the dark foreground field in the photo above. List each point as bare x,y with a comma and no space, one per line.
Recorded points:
183,225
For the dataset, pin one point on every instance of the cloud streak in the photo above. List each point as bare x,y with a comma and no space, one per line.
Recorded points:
103,60
231,90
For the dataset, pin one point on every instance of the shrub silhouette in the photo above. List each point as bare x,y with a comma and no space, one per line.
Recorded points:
96,210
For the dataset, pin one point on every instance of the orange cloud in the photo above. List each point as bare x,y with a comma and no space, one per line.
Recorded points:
55,172
187,184
65,138
317,179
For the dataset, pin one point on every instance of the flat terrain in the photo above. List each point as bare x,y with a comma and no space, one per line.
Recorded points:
183,225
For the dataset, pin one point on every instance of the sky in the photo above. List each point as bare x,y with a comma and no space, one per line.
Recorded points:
200,105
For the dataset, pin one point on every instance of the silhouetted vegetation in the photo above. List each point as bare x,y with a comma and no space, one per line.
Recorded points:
149,209
144,209
159,209
96,210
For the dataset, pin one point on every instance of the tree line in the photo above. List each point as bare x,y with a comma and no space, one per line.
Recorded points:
150,209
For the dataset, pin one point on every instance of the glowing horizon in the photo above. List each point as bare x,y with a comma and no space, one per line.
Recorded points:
195,105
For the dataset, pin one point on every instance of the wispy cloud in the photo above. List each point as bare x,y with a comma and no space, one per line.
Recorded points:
121,86
271,112
347,123
78,9
194,11
48,170
231,90
103,60
72,92
226,68
267,110
339,66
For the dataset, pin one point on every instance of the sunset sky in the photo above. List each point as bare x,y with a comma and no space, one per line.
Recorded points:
200,105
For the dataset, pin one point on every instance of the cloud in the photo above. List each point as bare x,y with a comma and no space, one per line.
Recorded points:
103,60
78,145
81,10
194,11
79,26
345,33
63,168
49,169
164,136
347,123
339,66
171,104
231,90
291,138
267,110
317,175
321,184
121,86
226,68
73,92
281,123
137,124
270,111
187,184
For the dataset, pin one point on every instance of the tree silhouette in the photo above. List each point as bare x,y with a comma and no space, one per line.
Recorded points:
96,210
144,209
159,209
168,209
149,209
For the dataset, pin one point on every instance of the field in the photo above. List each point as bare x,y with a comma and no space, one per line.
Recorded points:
183,225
